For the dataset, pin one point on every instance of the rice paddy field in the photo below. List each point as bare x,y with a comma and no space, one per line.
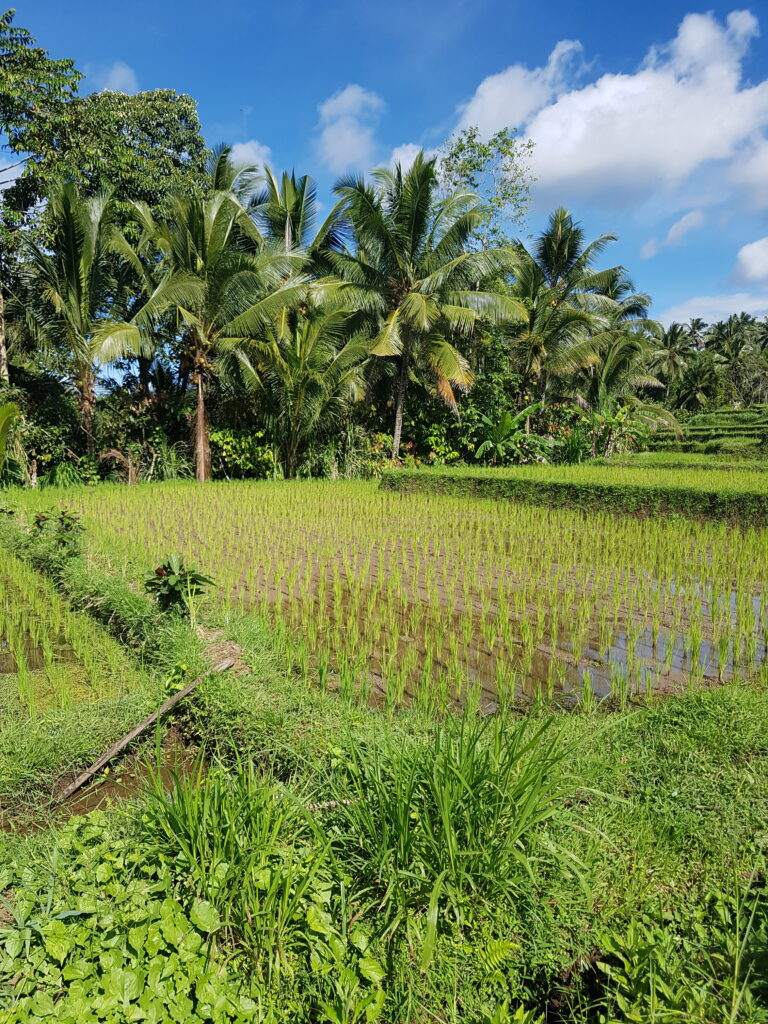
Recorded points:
332,832
431,598
50,657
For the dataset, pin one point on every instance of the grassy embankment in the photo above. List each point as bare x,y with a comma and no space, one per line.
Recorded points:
739,498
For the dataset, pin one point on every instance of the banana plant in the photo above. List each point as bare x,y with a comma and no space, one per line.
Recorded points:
504,436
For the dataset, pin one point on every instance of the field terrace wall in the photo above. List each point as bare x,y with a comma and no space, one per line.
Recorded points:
742,507
722,430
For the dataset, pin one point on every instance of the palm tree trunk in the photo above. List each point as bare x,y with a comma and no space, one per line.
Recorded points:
402,384
87,403
144,368
4,374
202,440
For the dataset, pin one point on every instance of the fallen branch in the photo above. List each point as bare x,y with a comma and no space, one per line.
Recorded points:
137,730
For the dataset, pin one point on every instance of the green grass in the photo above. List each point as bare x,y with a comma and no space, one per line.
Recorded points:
641,839
660,459
331,862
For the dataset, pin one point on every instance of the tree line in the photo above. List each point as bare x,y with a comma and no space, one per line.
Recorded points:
159,300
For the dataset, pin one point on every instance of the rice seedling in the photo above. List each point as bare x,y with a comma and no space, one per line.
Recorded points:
391,593
55,656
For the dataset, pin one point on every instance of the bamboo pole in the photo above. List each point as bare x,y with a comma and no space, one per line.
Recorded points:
137,730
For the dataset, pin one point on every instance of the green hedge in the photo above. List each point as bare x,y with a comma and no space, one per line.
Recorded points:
750,446
732,504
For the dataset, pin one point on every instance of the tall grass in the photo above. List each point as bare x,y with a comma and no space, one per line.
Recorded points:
443,823
245,844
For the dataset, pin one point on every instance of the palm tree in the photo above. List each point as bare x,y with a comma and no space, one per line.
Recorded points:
309,365
288,209
553,339
71,280
700,382
673,354
567,303
411,271
567,260
730,338
611,389
223,281
696,329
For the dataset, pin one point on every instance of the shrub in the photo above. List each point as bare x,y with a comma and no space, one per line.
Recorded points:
241,454
430,824
173,585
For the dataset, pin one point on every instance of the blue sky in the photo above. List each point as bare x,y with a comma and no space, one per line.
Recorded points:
649,120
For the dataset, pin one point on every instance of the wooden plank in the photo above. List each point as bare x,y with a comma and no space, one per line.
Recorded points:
137,730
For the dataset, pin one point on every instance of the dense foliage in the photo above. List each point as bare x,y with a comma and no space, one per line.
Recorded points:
164,313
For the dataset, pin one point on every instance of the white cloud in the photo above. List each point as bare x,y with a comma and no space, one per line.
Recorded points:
750,169
752,261
406,154
509,98
688,222
250,154
715,307
347,122
625,137
118,77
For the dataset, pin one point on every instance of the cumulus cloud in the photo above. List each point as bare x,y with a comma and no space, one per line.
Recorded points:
406,154
675,236
117,77
509,98
347,123
750,170
251,153
752,261
715,307
625,137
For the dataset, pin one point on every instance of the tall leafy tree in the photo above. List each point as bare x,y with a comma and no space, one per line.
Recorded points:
498,170
412,271
144,147
35,91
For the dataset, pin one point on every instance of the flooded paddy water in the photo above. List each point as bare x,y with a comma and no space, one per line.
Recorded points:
428,597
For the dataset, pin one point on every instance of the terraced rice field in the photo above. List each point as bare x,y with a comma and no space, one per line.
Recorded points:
50,656
424,597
